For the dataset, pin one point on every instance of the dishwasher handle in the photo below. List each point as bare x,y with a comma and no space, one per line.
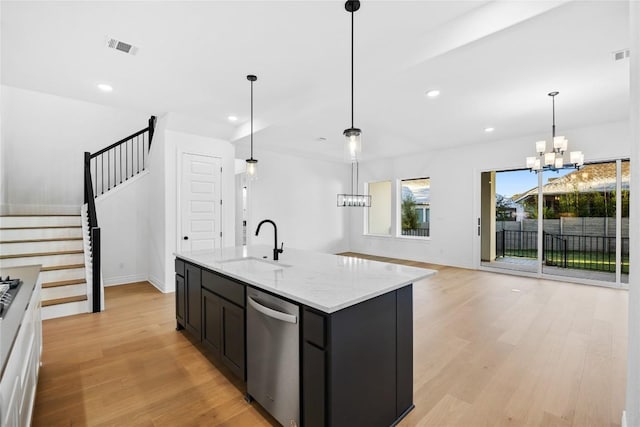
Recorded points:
269,312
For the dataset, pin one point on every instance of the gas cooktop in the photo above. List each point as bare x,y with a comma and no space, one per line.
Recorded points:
8,289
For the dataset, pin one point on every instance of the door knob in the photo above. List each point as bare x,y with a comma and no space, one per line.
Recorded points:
185,238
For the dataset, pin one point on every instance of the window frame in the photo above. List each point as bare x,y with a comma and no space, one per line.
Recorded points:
398,210
367,210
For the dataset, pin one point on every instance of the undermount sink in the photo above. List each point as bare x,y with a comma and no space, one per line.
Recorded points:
254,265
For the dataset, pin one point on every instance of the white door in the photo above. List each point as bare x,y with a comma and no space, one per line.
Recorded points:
200,203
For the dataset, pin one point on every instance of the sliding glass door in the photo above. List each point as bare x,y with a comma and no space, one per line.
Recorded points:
580,222
509,230
584,220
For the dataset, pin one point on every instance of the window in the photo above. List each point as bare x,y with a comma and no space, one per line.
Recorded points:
379,214
415,205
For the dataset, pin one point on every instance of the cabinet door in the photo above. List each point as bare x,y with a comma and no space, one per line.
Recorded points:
233,338
314,389
194,300
211,321
180,300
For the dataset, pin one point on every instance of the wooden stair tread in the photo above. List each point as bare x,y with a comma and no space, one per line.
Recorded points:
56,239
63,283
56,301
41,226
41,254
62,267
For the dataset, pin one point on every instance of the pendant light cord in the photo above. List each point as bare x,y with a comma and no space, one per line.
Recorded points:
553,126
352,166
352,69
252,119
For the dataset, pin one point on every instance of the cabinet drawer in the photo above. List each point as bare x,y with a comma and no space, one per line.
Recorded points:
179,267
314,328
224,287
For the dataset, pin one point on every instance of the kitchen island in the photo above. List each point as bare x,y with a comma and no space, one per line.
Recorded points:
354,336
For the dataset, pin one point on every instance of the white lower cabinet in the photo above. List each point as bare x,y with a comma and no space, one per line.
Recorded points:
20,374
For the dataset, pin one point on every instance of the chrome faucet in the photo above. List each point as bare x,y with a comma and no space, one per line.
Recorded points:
276,251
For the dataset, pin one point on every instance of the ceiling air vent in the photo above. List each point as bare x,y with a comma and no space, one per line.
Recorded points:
621,54
121,46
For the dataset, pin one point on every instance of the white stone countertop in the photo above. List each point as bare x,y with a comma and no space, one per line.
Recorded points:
325,282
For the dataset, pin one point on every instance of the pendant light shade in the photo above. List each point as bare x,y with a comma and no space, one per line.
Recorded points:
252,164
353,144
353,135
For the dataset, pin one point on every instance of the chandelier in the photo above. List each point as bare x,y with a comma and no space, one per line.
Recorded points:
354,200
554,159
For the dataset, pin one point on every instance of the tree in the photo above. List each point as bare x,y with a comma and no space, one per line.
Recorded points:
409,213
503,208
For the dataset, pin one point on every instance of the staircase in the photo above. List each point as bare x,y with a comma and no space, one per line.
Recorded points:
68,246
55,242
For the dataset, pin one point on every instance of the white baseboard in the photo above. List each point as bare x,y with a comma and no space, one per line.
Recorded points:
124,280
158,284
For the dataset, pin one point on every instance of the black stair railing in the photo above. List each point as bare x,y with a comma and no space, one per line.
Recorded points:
124,159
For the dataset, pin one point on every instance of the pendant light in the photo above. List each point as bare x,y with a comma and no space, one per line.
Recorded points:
554,159
252,164
353,135
354,200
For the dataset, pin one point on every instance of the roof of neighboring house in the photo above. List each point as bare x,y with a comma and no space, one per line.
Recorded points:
596,177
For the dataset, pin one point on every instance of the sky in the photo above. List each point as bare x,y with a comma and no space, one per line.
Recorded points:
509,183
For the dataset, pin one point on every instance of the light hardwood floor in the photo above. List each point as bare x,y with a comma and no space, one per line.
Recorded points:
550,354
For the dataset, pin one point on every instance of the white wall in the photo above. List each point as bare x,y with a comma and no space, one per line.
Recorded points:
123,218
299,195
632,404
455,191
3,190
163,194
43,141
155,199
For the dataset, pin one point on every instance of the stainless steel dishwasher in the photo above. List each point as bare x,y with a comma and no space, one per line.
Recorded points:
273,368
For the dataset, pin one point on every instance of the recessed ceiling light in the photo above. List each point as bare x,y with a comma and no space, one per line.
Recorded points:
489,129
232,118
433,93
105,87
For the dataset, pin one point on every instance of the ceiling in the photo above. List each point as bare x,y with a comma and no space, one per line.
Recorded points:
494,63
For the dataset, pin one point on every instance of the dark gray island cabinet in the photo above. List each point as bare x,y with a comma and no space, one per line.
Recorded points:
211,308
356,362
